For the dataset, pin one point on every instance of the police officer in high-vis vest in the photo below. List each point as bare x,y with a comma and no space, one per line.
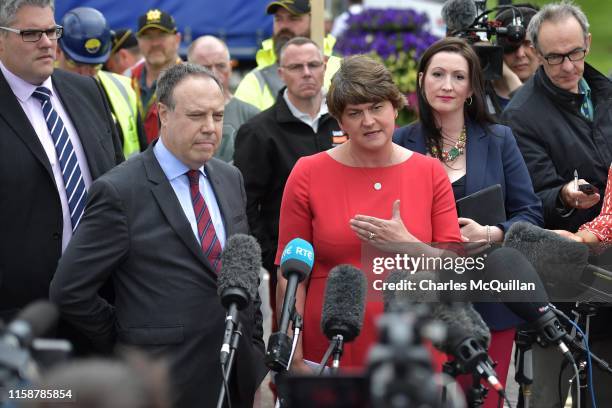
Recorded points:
84,47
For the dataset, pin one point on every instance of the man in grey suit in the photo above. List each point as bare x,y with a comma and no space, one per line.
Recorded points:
40,202
156,225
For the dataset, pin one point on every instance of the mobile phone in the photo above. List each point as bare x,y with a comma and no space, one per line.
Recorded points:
588,189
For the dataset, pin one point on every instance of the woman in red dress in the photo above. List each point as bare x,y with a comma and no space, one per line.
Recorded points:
367,190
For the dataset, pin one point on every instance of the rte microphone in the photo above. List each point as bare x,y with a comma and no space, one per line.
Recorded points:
459,15
32,322
237,282
296,264
343,308
506,262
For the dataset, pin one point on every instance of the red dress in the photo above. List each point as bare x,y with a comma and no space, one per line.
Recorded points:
601,226
322,195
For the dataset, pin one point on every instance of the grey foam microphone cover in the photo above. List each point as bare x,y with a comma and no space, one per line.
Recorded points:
240,265
554,257
399,299
344,302
459,14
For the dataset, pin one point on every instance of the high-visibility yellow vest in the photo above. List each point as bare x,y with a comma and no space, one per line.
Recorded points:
124,105
254,88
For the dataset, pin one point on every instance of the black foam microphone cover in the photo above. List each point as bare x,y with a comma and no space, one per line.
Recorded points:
344,302
462,321
238,279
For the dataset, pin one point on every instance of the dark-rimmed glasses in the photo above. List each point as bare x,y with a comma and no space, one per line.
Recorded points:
35,35
557,59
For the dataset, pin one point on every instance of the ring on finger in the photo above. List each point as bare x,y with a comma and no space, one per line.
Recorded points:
371,235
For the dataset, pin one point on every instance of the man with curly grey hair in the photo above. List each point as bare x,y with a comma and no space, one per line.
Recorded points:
562,123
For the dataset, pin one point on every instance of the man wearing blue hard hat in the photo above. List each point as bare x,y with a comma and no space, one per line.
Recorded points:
84,48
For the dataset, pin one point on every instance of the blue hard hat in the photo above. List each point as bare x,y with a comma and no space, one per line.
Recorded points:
87,36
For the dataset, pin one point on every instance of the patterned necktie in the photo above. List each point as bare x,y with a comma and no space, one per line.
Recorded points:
206,229
71,172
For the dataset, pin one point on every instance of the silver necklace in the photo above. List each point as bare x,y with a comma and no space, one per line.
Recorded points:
376,184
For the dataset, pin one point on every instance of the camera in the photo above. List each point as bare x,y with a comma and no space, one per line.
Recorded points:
469,19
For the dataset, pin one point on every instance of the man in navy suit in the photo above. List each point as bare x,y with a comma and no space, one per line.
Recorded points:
156,225
38,211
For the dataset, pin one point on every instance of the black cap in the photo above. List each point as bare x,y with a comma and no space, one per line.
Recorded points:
296,7
123,38
156,18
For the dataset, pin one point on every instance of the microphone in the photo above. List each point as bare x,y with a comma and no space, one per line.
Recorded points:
343,307
400,298
32,322
467,339
237,282
553,256
535,310
459,15
296,264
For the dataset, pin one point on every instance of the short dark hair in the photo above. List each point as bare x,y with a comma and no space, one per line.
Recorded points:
476,111
171,77
362,79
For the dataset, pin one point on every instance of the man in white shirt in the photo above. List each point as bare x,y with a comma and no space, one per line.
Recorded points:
57,136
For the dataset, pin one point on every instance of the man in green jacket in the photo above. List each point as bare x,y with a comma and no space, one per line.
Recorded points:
291,19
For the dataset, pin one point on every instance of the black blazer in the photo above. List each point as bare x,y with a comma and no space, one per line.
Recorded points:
30,209
135,231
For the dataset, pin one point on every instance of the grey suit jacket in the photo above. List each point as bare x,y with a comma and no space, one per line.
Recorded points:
135,231
30,209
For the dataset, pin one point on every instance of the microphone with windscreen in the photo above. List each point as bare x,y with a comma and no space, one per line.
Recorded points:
459,15
508,263
343,309
562,264
32,322
467,340
399,300
238,282
18,341
296,264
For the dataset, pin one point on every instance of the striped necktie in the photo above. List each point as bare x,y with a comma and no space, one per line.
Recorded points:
71,172
206,230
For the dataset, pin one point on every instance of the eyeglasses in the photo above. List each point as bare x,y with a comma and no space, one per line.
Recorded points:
35,35
557,59
73,64
312,66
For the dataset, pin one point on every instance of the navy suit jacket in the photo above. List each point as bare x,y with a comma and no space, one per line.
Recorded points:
492,157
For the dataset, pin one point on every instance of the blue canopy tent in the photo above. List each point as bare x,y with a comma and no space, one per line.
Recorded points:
242,24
